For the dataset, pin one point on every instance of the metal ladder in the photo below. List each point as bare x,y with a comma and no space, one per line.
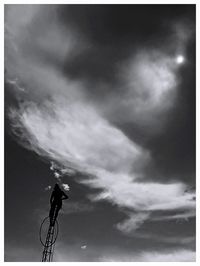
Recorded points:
47,255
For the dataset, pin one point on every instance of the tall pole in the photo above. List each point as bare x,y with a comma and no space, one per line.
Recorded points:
49,245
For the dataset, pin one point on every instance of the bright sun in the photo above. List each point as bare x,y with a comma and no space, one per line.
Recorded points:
180,59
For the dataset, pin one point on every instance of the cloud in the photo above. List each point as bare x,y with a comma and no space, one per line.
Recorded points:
75,253
149,83
113,254
36,47
56,174
180,255
173,256
133,223
178,216
58,120
148,91
142,196
66,187
77,137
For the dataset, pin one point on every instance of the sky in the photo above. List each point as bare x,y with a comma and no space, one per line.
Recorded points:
101,100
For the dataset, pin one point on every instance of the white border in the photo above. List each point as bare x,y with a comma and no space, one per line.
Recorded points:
2,118
98,2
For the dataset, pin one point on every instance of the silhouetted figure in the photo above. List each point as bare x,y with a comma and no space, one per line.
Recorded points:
56,199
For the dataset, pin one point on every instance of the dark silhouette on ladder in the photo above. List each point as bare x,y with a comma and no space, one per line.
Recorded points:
56,199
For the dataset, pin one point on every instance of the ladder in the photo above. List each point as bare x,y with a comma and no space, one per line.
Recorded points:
47,255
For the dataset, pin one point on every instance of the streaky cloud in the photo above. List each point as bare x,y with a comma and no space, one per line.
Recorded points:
57,120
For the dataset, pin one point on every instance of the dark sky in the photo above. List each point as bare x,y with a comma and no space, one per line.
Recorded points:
107,94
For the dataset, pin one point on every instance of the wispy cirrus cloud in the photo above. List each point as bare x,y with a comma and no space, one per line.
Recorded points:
58,121
78,138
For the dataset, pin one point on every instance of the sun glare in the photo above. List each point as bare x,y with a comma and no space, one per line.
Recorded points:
180,59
